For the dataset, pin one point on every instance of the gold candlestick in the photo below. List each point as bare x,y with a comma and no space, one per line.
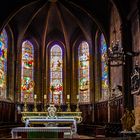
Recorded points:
77,106
68,103
59,105
35,104
25,109
45,103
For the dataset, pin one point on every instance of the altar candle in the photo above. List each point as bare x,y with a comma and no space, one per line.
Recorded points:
77,97
45,96
25,96
68,96
35,96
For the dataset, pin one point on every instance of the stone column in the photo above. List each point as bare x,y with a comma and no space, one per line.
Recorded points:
127,68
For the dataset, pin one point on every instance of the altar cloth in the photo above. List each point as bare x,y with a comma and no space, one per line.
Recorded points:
57,120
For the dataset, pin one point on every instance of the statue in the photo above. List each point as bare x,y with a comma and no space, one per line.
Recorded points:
128,120
136,127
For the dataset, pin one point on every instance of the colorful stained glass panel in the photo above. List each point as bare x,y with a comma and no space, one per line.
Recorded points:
3,63
104,67
83,74
27,71
56,79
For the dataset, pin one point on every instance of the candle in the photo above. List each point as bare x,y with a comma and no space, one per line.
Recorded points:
25,96
35,96
77,97
45,96
68,96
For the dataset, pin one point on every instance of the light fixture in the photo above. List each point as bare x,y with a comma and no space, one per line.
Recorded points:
135,80
116,55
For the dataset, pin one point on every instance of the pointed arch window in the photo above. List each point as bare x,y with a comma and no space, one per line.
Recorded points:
27,71
83,73
104,68
3,63
56,74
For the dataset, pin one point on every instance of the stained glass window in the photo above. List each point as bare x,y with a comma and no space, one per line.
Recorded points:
27,71
3,63
83,73
104,67
56,78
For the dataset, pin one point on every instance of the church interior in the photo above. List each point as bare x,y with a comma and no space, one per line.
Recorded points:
70,69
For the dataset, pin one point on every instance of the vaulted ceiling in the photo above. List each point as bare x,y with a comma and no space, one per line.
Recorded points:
63,18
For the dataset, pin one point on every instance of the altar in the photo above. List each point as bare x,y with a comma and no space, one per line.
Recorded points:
49,123
52,123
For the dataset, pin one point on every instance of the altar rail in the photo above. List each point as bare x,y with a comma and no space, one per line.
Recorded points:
18,130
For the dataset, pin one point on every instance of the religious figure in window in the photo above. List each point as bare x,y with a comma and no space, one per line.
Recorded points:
83,75
56,75
27,71
56,65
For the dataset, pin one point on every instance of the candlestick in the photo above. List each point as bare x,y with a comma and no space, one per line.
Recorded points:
77,97
35,96
25,103
68,96
68,107
77,106
45,102
68,103
59,105
35,104
45,96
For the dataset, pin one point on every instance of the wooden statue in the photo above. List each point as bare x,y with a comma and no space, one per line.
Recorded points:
128,120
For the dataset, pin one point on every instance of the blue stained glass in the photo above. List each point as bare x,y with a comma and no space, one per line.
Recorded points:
3,63
104,67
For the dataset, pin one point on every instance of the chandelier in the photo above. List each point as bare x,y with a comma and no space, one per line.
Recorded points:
116,55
